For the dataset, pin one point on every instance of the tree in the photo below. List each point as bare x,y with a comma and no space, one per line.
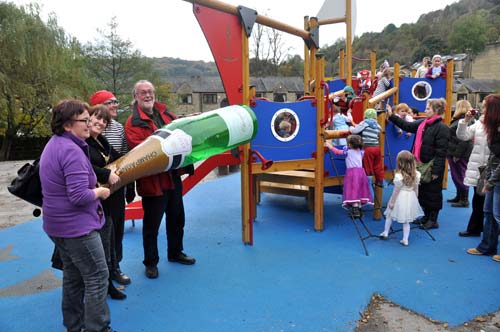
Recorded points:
39,65
115,64
292,66
268,51
468,33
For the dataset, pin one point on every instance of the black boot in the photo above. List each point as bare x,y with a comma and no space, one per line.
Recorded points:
114,293
432,222
454,199
120,277
424,219
463,201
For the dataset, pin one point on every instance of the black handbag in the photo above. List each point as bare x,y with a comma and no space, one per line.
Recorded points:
27,185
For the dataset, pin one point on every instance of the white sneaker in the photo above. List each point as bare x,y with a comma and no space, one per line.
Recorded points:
383,236
404,243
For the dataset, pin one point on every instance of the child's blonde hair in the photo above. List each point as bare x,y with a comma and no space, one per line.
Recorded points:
406,164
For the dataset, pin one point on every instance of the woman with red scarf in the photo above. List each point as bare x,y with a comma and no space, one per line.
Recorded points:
431,143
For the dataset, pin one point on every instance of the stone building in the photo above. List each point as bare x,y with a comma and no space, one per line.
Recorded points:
486,65
477,76
201,94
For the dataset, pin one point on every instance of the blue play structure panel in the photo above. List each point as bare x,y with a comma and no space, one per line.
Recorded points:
301,146
407,89
336,85
395,143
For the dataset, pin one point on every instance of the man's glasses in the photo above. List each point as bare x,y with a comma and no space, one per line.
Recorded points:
86,121
111,102
144,93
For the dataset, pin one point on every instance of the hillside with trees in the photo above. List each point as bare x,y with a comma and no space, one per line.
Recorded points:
41,64
462,27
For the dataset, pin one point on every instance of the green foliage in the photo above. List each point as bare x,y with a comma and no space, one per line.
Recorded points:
293,66
115,65
468,35
464,26
171,67
39,65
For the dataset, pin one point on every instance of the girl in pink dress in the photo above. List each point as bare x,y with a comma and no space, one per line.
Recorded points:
356,188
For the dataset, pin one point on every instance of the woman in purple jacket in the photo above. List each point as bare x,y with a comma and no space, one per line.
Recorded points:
72,215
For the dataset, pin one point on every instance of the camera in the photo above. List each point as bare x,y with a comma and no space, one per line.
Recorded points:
473,112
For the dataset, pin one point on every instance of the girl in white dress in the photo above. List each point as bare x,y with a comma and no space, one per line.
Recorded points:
403,205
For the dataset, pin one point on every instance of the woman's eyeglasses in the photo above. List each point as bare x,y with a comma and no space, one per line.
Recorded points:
111,102
86,121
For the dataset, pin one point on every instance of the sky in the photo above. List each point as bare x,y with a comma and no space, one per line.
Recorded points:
168,28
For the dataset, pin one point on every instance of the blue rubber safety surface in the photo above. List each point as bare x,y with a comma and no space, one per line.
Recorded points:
292,279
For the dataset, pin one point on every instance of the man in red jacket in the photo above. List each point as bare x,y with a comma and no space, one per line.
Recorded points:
161,193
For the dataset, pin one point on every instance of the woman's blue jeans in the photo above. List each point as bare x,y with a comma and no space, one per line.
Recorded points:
489,243
85,283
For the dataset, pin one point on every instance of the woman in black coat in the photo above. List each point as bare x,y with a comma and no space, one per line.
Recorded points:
102,153
431,143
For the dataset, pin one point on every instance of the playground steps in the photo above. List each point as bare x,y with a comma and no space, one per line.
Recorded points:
293,183
287,189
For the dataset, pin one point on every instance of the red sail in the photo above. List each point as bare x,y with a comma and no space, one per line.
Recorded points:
223,33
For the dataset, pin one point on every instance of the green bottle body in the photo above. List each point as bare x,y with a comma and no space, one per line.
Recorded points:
216,131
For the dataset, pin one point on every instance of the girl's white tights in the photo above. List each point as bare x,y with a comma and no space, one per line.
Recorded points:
406,232
406,229
387,227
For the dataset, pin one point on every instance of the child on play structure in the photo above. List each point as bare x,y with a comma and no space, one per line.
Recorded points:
341,121
364,81
403,205
383,84
356,190
369,129
404,112
345,101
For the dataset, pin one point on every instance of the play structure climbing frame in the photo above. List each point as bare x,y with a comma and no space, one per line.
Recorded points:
291,149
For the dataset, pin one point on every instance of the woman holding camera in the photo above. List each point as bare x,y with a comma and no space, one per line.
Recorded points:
478,158
491,208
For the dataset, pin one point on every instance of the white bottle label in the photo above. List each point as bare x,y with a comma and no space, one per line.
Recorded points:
177,143
238,122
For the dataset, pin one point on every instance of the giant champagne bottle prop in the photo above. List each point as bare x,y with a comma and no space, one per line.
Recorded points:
186,141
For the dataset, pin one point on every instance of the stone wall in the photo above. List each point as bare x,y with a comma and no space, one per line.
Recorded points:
486,65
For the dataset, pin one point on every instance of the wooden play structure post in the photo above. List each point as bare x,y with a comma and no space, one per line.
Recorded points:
313,23
348,39
373,63
246,185
307,75
447,114
396,78
319,169
342,63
